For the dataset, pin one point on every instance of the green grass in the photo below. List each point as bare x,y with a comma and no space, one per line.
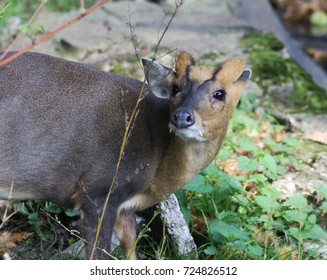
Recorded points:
233,210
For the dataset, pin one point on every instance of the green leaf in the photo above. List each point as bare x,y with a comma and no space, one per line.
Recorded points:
230,232
227,181
268,204
247,102
298,201
316,233
312,219
291,141
270,164
247,146
211,171
254,251
32,29
71,212
323,206
229,217
224,154
238,245
322,191
33,216
295,216
270,192
211,251
198,185
294,232
246,164
52,208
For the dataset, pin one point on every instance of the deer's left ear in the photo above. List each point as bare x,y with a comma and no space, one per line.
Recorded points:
159,78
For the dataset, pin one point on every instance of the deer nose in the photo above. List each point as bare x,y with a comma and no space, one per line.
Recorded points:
182,119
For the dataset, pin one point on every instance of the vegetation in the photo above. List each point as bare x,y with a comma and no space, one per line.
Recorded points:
266,58
231,207
24,9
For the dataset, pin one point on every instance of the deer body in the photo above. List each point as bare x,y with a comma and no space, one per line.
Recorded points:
62,125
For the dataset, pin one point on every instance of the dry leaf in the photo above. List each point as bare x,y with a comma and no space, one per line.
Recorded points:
9,240
287,253
317,136
230,167
199,225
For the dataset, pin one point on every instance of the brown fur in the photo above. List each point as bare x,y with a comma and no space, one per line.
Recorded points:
62,124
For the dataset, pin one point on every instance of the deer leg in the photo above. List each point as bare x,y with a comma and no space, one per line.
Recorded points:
126,230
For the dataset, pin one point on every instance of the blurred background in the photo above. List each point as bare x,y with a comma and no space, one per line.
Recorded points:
265,195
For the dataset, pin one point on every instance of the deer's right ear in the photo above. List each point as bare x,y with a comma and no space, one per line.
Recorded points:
159,78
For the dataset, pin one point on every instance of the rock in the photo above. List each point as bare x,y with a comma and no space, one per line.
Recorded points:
178,230
309,123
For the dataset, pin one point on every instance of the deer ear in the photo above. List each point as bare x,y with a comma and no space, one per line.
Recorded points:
230,71
159,78
245,76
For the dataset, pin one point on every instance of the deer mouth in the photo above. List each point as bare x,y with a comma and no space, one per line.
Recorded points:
188,133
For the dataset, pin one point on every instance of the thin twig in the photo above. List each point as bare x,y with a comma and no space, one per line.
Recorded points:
113,181
36,13
72,232
38,10
130,122
52,33
178,5
5,218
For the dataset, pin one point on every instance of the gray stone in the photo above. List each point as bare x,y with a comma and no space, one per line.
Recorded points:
178,230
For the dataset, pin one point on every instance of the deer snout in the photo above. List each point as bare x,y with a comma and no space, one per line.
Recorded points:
182,118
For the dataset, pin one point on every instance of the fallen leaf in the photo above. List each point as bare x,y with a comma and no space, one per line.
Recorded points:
199,225
317,136
288,253
317,55
230,167
9,240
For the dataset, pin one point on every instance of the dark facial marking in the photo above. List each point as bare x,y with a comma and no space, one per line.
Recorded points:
215,72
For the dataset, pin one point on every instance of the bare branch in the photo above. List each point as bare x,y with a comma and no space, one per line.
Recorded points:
178,5
129,125
36,13
52,33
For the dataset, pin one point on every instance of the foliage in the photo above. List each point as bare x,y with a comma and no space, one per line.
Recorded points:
25,8
233,210
47,236
271,68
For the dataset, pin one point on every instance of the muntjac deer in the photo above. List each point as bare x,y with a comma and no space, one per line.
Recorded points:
62,125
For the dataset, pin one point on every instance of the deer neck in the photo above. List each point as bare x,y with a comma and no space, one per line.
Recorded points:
181,162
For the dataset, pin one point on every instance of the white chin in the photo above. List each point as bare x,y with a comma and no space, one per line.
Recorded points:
188,133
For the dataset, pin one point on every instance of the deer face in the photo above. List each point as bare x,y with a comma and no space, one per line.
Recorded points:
201,98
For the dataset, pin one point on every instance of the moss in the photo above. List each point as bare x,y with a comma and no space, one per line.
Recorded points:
270,68
268,64
257,41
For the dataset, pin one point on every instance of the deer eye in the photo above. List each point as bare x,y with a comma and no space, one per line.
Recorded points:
175,89
220,94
